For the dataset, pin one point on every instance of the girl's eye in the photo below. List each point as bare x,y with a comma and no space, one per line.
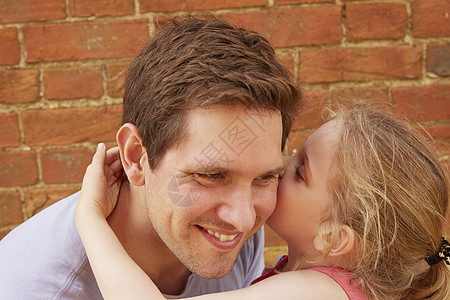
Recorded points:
298,173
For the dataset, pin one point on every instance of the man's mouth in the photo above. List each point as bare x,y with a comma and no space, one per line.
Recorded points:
220,236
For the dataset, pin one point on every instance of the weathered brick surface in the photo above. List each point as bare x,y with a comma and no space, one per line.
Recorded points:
375,94
189,5
115,78
272,238
440,138
423,102
285,2
73,83
10,208
74,125
78,41
430,18
41,198
31,10
9,130
295,27
438,59
360,64
9,51
86,8
312,115
376,20
296,140
19,86
288,62
18,168
65,165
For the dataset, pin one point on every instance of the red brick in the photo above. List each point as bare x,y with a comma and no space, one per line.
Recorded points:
176,5
430,18
9,47
294,27
272,238
115,78
360,64
271,255
87,8
437,131
438,59
38,199
440,134
288,62
422,103
4,232
375,21
65,165
75,125
78,41
18,168
375,94
442,147
285,2
10,132
31,10
73,83
19,86
296,140
10,208
311,116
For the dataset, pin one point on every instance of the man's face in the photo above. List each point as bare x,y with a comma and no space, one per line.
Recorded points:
215,189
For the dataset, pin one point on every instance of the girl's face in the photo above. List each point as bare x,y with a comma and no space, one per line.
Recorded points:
304,196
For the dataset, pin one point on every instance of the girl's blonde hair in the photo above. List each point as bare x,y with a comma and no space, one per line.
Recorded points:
392,191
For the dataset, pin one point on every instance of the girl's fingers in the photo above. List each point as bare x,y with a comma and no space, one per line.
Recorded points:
112,155
99,156
116,167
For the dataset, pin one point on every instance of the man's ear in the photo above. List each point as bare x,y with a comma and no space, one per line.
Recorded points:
343,245
132,153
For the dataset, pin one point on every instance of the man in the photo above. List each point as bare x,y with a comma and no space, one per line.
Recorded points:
207,109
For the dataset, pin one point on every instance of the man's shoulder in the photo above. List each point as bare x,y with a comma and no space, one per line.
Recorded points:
45,252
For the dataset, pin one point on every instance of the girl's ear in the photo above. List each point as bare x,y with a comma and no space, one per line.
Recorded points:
132,154
343,245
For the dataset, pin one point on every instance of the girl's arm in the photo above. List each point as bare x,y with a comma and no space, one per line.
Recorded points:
119,277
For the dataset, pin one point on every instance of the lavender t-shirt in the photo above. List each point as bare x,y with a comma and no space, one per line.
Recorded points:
44,258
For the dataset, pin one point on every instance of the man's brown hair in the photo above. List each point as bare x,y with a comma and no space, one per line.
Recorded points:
202,63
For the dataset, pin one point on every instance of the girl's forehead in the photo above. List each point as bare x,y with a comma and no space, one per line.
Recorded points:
328,133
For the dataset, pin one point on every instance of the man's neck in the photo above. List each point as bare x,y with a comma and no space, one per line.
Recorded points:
131,223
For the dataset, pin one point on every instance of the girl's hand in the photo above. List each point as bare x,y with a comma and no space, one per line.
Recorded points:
102,182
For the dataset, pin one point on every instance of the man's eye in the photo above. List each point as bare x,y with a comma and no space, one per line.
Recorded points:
211,177
266,179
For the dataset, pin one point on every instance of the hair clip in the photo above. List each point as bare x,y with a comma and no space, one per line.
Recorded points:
443,254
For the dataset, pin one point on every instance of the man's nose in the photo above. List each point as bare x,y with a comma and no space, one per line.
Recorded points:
238,209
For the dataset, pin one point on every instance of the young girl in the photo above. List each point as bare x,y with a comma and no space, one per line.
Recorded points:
361,207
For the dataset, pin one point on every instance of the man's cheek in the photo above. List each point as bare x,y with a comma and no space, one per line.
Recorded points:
182,192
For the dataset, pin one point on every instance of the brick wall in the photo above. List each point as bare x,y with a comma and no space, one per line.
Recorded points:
62,65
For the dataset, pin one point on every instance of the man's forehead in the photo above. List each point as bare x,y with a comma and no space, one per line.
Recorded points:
232,138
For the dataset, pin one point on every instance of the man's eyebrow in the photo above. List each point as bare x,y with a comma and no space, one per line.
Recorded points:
207,170
275,171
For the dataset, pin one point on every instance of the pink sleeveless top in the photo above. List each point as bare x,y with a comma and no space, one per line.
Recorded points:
341,276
